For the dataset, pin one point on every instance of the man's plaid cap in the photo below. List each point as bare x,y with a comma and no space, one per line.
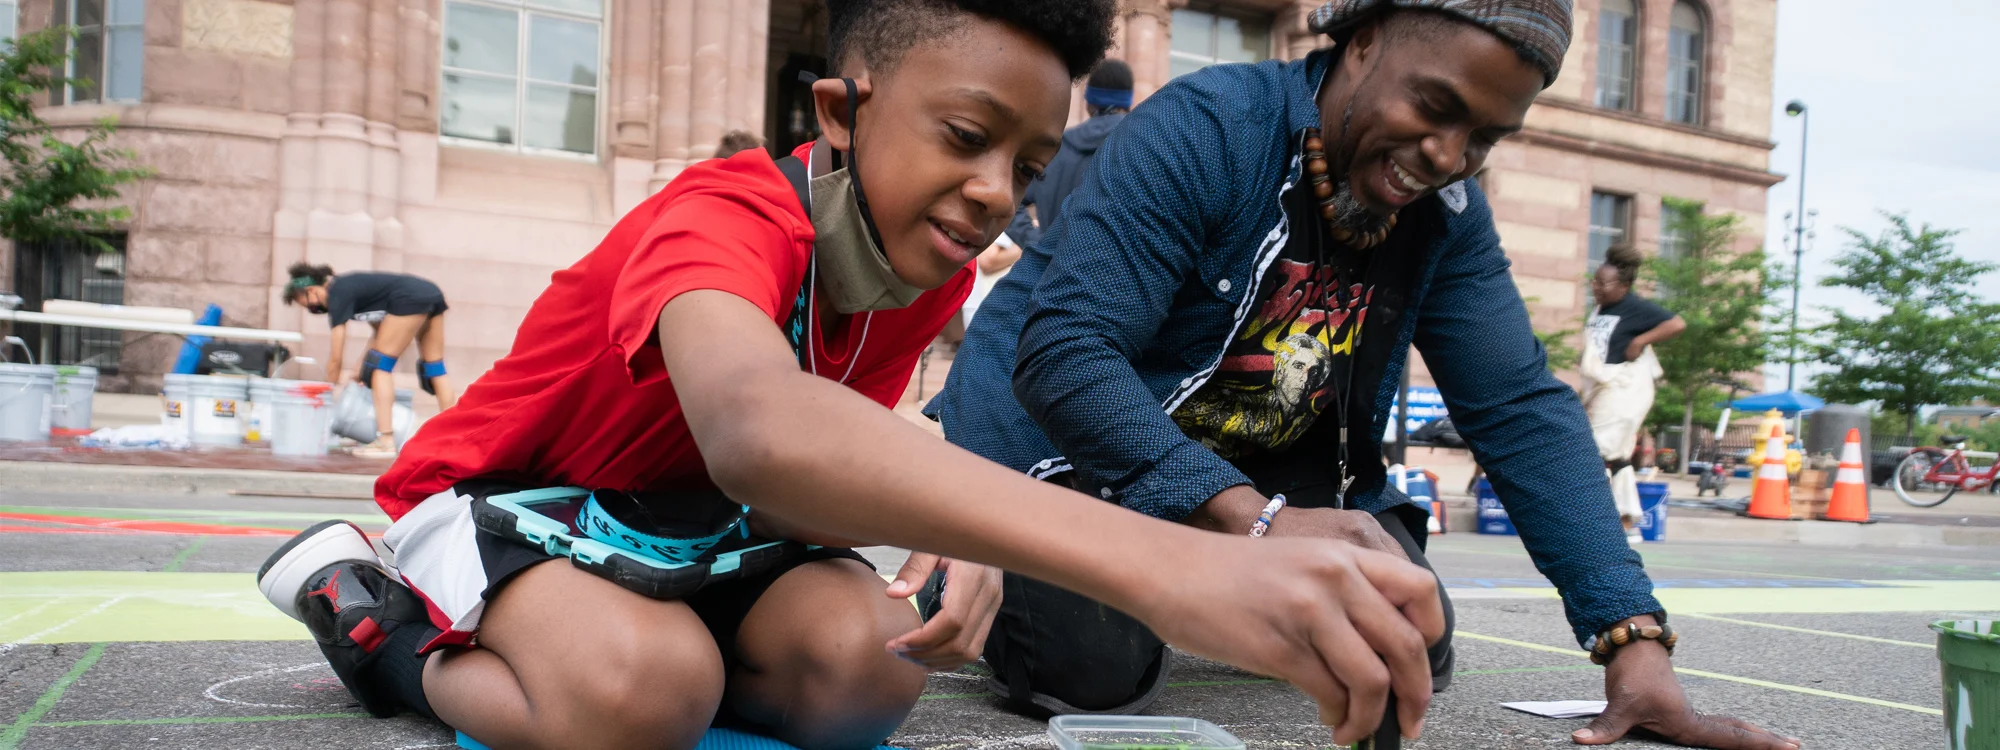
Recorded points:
1538,27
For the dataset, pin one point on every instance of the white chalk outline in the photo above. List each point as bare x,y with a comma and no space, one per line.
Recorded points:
210,692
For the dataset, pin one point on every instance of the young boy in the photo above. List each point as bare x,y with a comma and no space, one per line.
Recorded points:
670,362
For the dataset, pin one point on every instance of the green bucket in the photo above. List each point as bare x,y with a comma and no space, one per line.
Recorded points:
1969,651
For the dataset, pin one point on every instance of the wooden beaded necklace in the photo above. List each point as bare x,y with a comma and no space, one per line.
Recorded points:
1322,183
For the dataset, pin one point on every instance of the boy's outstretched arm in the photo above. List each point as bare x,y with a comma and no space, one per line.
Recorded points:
1343,624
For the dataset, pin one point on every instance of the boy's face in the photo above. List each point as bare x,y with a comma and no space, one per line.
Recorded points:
949,140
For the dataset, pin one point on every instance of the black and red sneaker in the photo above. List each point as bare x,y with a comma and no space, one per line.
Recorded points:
349,601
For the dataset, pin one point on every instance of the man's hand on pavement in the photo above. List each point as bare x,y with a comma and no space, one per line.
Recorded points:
1641,692
956,635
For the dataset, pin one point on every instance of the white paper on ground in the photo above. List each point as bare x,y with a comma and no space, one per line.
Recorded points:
1559,709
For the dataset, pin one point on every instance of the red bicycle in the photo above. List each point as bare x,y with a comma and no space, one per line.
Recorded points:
1929,476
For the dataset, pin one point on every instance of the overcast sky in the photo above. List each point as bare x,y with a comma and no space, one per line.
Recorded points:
1905,117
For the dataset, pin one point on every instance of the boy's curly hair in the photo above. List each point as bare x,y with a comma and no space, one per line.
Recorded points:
880,31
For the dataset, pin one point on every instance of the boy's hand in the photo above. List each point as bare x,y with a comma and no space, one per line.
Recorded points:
1343,624
956,635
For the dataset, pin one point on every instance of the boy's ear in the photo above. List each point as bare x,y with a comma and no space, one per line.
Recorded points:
830,103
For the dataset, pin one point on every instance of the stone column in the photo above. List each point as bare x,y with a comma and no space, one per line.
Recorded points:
1148,41
385,161
749,64
1297,40
637,31
709,110
417,63
676,91
340,230
296,152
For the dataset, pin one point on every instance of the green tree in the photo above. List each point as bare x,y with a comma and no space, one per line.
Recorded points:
53,187
1720,293
1562,355
1935,342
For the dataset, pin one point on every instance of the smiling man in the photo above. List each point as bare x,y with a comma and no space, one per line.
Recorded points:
1212,330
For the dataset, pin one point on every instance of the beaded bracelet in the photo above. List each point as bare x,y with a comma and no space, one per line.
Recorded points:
1604,645
1263,523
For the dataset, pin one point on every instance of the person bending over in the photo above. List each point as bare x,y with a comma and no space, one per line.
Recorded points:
400,309
731,343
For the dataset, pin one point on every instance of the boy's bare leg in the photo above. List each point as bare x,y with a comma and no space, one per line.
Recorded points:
813,664
570,660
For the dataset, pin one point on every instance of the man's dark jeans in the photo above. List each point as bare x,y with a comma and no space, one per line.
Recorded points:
1056,652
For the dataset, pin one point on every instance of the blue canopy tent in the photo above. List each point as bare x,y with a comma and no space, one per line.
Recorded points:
1789,403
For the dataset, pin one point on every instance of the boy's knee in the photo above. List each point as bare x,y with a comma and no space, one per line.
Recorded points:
645,691
844,689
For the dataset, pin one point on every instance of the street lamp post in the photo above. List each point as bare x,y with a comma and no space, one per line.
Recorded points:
1798,109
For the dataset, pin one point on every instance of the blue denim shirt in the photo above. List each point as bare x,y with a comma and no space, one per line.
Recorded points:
1080,355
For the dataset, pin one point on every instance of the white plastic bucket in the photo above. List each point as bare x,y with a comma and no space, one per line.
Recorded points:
300,411
213,406
26,395
262,392
74,387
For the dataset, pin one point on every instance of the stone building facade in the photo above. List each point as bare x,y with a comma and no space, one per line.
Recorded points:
485,144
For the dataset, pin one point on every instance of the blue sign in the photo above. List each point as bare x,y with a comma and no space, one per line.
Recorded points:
1426,406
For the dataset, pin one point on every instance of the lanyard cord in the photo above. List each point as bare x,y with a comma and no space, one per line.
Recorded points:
1344,390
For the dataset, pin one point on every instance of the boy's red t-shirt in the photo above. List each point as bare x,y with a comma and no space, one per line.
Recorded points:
584,398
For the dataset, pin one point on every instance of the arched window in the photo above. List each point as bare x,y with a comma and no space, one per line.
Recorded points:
1617,45
1686,46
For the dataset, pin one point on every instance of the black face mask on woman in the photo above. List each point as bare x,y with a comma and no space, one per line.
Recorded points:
316,309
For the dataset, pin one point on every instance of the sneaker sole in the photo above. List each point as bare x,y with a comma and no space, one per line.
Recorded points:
326,543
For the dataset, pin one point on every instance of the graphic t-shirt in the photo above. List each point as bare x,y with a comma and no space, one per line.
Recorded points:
1613,326
1287,362
368,296
584,398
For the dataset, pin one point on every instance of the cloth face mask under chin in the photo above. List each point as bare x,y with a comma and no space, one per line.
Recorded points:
854,272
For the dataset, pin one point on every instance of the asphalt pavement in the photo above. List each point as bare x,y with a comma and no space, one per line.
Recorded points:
128,618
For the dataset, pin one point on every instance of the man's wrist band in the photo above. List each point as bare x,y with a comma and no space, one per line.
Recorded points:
1263,524
1605,645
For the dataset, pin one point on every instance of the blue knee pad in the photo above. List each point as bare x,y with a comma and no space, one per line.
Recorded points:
372,361
379,361
427,371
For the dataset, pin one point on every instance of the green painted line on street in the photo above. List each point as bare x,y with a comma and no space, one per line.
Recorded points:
174,565
197,720
1217,683
1775,626
118,606
1650,565
11,738
1720,676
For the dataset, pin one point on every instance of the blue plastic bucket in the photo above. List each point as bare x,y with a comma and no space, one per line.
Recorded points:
1653,511
1492,518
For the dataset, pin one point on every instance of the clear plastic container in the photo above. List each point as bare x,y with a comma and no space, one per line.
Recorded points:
1082,732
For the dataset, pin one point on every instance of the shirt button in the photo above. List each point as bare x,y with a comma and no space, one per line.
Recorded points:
1223,286
1106,492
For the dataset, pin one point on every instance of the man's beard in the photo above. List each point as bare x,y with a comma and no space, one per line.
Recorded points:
1348,213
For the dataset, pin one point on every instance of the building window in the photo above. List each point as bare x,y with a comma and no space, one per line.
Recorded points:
1205,37
1617,44
71,269
1610,224
522,74
1685,47
10,13
1674,239
109,48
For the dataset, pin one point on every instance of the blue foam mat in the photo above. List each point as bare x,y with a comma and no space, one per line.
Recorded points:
715,739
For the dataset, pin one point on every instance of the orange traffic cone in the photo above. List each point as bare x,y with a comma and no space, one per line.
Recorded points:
1772,495
1850,488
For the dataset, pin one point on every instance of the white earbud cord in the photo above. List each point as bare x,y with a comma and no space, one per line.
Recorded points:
812,300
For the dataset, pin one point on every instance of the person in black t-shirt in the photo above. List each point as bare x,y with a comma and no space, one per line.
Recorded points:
1625,323
402,309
